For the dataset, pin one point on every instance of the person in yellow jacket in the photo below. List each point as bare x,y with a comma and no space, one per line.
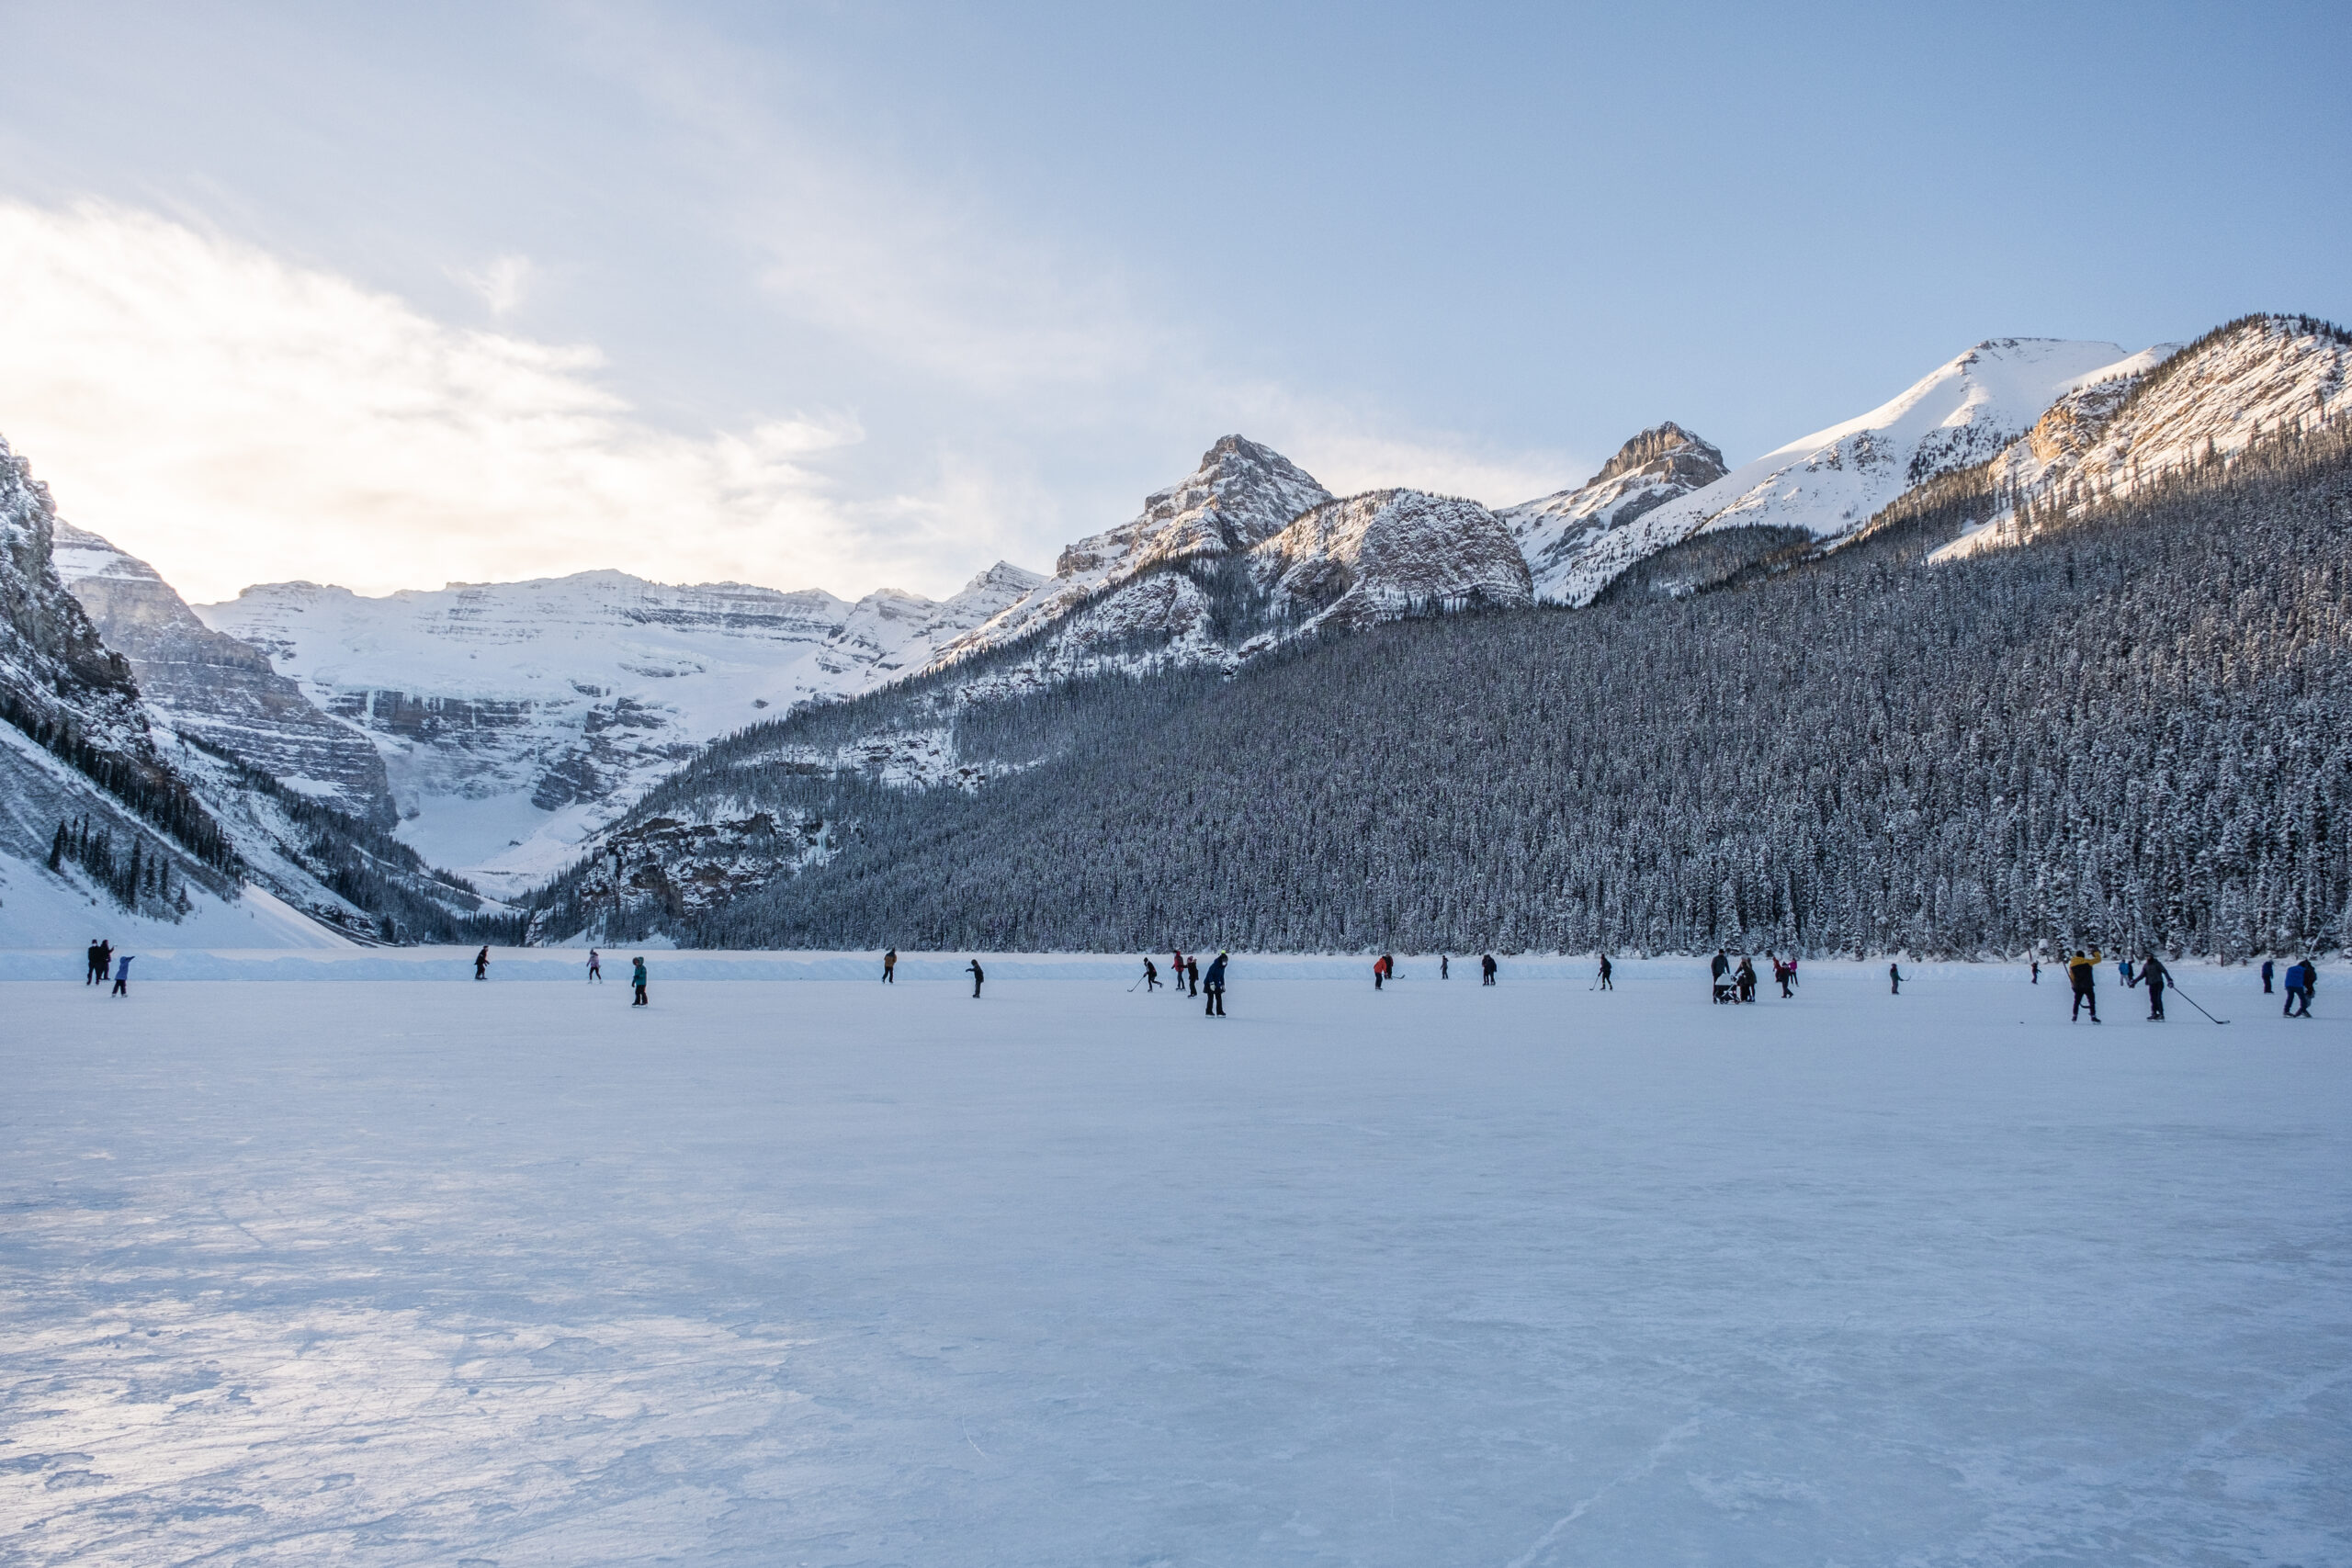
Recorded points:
2084,972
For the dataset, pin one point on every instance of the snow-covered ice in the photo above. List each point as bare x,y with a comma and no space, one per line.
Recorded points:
825,1272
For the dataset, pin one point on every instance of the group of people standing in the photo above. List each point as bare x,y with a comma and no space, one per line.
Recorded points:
1737,983
102,959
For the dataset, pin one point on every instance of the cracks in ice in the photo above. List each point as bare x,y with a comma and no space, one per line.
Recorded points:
1650,1461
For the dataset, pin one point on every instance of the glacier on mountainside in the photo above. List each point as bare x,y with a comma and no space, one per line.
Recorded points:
1832,483
516,719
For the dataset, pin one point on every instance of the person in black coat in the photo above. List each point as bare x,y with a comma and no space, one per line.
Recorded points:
978,975
1215,986
2155,977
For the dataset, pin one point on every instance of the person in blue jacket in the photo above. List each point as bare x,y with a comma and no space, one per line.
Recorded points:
1212,983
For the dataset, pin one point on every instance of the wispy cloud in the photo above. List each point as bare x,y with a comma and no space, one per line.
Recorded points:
237,419
501,283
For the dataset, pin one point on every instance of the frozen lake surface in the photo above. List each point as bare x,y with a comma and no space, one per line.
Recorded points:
823,1272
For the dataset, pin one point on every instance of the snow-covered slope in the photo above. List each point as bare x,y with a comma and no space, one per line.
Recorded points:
1660,464
98,834
1240,494
2264,374
1831,483
205,682
514,719
1383,554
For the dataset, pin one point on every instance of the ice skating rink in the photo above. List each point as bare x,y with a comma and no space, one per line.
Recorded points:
826,1272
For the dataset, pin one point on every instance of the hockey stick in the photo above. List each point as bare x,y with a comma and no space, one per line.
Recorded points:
2184,996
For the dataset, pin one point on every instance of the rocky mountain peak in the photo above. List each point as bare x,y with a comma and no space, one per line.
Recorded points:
1663,463
1242,492
1667,451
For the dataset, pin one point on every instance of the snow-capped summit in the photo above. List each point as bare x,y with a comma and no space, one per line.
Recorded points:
515,718
1654,468
1240,494
2169,409
1831,483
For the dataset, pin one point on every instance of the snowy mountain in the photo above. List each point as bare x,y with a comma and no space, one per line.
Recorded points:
1240,494
1830,483
203,683
1375,557
515,719
2260,376
95,827
1245,552
1659,464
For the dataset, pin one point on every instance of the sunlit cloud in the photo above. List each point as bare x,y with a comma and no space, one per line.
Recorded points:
235,418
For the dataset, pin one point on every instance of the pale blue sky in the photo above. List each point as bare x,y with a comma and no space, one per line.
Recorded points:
985,275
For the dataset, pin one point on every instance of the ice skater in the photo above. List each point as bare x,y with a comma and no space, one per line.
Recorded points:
978,975
2083,975
637,981
94,961
1895,978
122,976
1780,973
481,965
1176,970
595,967
2155,977
2037,971
1380,972
2300,984
1485,969
1193,973
1215,986
1718,971
890,967
2266,976
1444,967
1150,975
1602,982
1745,978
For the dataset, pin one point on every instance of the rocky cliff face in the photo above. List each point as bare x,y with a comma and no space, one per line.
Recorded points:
78,749
1659,464
205,683
2261,375
515,719
1389,553
54,665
